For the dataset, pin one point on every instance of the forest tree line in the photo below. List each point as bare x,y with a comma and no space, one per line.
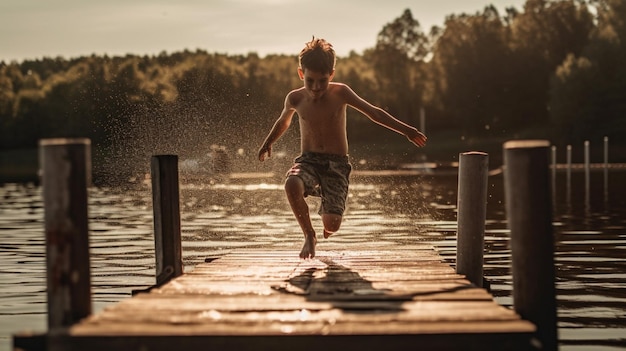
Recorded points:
553,69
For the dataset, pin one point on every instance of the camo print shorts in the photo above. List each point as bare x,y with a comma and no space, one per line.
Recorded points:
326,176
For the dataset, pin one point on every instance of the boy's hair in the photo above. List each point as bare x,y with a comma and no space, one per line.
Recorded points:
318,55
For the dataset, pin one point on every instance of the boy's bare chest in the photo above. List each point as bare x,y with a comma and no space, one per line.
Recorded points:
320,112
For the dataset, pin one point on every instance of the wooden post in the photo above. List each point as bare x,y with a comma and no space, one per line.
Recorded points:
587,176
472,207
166,207
606,152
527,194
422,120
64,178
553,157
568,176
606,169
553,164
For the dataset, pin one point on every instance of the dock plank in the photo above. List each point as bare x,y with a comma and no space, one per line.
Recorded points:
273,299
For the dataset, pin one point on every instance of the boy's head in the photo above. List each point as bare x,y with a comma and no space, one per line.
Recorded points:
318,55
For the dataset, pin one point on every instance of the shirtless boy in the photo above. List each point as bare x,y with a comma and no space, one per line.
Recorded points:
323,168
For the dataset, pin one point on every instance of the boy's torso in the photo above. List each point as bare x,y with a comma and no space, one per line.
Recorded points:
322,121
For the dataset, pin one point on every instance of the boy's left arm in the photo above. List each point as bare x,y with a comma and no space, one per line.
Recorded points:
382,117
416,137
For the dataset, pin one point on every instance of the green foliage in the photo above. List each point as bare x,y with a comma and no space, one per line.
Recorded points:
397,61
542,38
492,74
472,80
588,91
554,65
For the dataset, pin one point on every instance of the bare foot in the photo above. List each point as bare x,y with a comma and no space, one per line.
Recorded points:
308,249
327,234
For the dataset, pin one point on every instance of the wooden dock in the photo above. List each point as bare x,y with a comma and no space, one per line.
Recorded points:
394,298
376,297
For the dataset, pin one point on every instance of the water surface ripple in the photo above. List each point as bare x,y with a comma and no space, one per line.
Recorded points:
590,235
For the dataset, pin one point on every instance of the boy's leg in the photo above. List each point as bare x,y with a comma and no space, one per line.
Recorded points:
294,187
334,183
332,222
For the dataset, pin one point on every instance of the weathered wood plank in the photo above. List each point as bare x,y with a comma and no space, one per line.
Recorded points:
395,316
258,294
310,342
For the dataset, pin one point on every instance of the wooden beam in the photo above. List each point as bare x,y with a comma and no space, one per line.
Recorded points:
529,213
166,207
65,178
472,211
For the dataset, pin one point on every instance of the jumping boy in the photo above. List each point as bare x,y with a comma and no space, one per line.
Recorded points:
323,168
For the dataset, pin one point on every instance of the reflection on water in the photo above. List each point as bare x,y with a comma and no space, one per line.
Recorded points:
590,234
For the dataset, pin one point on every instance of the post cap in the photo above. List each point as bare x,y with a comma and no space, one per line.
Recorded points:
526,144
477,153
64,141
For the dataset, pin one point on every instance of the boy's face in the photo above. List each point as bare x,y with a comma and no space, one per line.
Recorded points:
315,83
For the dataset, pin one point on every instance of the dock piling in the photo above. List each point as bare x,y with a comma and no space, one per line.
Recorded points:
166,208
472,208
606,168
568,175
587,174
529,212
65,177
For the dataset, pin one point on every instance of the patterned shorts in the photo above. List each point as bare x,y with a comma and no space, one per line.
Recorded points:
326,176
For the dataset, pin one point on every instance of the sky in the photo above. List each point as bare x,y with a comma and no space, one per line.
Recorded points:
34,29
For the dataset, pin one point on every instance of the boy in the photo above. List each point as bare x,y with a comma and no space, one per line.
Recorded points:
323,168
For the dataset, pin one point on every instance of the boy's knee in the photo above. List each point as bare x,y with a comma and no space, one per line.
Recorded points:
332,222
294,186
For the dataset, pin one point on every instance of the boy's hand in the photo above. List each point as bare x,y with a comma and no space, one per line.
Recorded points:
417,137
265,152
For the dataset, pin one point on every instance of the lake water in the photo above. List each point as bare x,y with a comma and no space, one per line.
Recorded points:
590,233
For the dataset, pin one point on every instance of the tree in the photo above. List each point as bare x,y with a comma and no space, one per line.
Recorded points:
397,61
7,95
404,35
543,35
470,75
588,91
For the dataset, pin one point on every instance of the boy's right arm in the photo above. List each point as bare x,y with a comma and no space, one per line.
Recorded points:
280,126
